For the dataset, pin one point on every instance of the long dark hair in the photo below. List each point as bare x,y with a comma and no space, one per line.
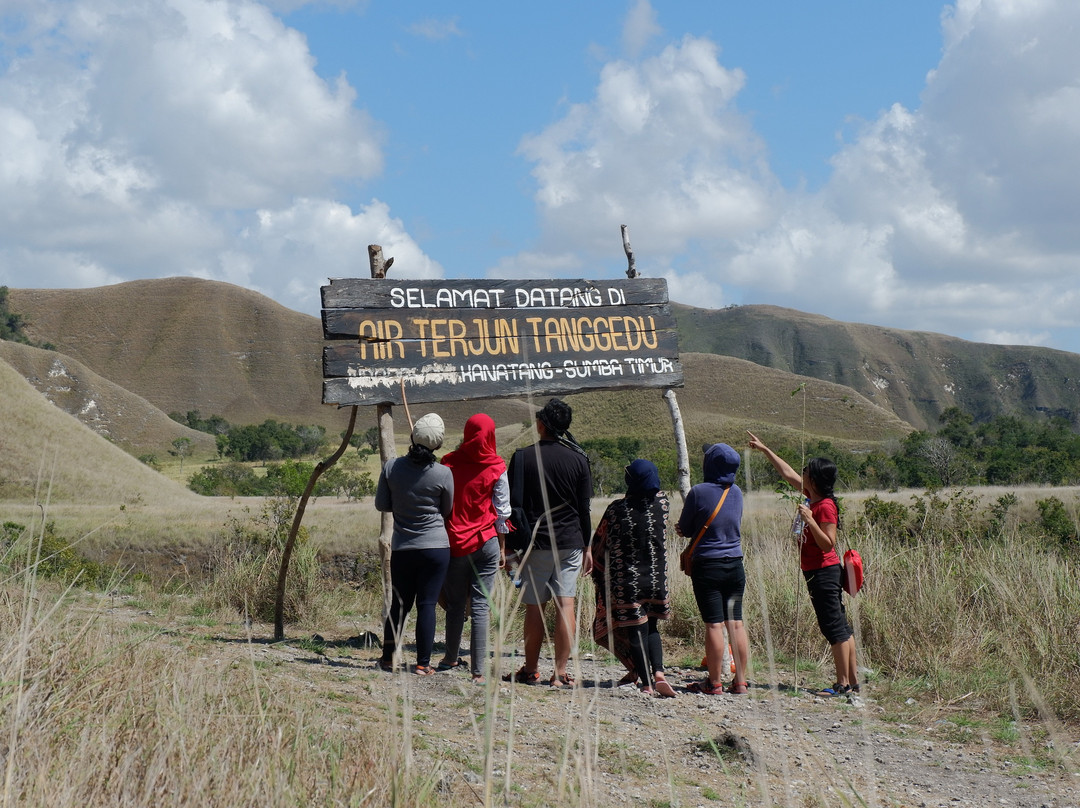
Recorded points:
421,455
823,473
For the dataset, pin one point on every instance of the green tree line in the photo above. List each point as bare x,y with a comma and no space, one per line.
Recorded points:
270,440
1005,450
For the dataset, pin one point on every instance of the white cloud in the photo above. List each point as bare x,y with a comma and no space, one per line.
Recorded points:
144,139
639,28
995,337
950,217
661,148
304,245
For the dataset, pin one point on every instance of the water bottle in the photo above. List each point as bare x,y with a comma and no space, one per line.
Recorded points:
513,564
798,524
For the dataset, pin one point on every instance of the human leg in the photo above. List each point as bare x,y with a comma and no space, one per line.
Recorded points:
637,638
455,589
484,565
431,573
715,642
534,636
564,588
402,595
719,584
826,595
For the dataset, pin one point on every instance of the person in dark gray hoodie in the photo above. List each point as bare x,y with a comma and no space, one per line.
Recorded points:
717,565
420,493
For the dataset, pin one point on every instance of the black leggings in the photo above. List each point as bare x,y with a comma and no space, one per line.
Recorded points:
416,575
646,650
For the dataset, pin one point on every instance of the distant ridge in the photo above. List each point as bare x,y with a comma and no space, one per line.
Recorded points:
191,344
915,374
186,343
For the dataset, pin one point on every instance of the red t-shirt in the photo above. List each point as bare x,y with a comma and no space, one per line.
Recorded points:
812,557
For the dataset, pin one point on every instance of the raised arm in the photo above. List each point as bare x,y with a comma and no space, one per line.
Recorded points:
793,477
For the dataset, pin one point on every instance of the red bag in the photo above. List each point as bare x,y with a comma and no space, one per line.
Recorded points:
853,572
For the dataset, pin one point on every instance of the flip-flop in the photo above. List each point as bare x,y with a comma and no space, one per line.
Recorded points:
836,690
449,666
424,670
664,689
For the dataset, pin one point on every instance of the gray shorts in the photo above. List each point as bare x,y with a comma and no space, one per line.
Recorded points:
546,574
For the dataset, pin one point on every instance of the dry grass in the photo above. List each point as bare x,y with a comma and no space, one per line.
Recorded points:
105,711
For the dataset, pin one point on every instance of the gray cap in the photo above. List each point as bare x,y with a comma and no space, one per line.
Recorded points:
429,431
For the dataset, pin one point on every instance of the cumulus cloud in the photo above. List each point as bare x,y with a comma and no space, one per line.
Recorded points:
176,137
946,217
660,143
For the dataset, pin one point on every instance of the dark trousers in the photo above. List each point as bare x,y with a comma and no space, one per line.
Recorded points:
416,577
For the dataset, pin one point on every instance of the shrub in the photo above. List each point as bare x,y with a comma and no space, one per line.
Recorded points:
244,570
49,555
1056,522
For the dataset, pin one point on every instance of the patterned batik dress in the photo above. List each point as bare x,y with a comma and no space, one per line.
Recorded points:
629,570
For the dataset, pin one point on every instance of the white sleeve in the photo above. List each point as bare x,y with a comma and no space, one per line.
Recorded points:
500,498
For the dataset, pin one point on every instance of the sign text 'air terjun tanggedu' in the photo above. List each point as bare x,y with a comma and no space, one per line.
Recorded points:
453,340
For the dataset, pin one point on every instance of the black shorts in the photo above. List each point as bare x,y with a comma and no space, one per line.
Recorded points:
719,584
828,598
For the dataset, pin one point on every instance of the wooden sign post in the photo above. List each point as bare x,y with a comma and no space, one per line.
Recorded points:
456,340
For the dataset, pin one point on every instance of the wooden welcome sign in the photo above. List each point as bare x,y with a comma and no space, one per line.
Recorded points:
454,340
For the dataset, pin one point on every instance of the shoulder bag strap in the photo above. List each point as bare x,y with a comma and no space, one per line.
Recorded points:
708,521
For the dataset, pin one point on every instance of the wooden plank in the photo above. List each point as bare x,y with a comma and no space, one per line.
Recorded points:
446,382
366,293
483,331
355,359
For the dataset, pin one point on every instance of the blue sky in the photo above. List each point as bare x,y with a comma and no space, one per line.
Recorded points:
910,165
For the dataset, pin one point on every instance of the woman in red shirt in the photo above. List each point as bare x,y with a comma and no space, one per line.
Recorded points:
819,561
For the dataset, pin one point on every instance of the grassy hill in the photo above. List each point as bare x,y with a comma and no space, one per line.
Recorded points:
118,415
185,343
915,374
725,396
46,453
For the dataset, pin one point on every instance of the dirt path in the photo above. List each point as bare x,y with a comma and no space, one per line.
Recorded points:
600,745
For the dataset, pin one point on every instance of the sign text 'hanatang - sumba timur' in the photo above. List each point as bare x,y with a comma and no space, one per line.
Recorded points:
453,340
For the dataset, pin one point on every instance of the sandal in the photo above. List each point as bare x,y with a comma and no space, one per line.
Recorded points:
449,666
523,677
836,690
706,687
663,688
561,680
646,690
737,689
424,670
386,665
478,679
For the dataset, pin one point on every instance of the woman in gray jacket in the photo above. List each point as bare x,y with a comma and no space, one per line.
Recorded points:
420,493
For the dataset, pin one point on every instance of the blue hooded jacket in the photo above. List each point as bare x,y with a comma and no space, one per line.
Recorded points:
723,538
